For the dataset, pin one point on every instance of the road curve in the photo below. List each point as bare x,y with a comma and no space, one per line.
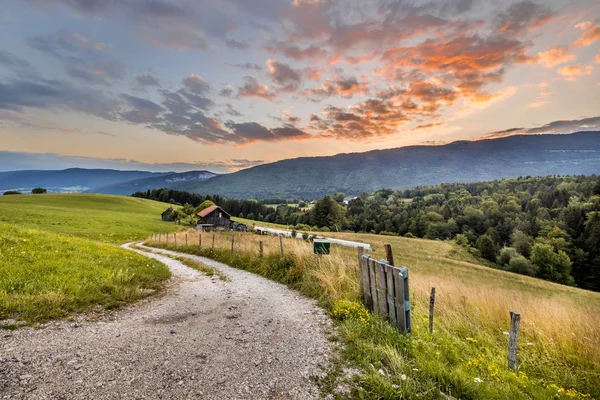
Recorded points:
247,338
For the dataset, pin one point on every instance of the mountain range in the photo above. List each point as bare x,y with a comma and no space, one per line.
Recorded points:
355,173
110,181
406,167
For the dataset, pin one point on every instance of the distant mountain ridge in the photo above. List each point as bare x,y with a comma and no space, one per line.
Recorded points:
144,184
406,167
94,180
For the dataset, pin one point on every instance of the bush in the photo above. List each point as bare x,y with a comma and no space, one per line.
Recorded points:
461,239
506,254
294,233
486,247
9,192
521,265
38,190
410,236
305,235
345,309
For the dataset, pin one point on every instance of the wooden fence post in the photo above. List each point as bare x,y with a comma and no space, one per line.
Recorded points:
260,247
186,235
200,239
388,254
232,241
513,339
373,288
381,289
281,244
431,306
391,306
213,242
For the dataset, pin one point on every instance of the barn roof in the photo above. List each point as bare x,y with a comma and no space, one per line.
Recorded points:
210,209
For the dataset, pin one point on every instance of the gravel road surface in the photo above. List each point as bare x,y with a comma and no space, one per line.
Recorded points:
248,338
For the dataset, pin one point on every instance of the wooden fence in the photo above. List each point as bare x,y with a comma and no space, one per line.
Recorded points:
385,291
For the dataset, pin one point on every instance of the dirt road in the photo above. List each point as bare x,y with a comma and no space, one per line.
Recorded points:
248,338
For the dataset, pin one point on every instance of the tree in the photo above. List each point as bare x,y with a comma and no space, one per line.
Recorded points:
521,242
486,247
329,213
552,266
205,204
521,265
11,192
38,190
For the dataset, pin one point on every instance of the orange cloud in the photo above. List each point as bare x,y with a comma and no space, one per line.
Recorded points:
572,72
590,35
555,55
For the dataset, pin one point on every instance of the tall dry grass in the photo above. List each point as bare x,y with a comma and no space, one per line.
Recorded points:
560,329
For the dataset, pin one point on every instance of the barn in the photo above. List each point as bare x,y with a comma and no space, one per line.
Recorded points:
214,217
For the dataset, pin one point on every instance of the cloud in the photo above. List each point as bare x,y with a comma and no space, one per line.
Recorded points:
142,111
81,58
344,87
250,132
427,126
252,88
146,80
196,84
555,55
18,94
12,62
234,44
572,72
288,78
174,24
555,127
598,58
248,66
590,35
523,17
295,52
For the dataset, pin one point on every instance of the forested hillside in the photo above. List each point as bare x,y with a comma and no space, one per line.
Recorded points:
545,227
409,167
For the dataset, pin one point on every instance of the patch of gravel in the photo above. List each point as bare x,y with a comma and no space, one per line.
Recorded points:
248,338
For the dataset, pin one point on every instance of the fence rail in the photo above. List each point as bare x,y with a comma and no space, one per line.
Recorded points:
385,291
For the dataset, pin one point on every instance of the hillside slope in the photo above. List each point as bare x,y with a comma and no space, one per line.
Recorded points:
102,218
166,181
406,167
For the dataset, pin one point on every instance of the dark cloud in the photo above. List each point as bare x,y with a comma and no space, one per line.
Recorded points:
288,78
252,88
12,62
248,66
146,80
142,111
249,132
524,16
55,94
234,44
295,52
344,87
81,58
196,84
556,127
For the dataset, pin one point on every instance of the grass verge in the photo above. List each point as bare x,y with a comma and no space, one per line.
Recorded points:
466,356
46,276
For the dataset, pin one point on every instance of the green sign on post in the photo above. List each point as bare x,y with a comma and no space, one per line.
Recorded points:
321,246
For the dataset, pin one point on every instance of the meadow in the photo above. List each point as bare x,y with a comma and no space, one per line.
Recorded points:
559,350
59,255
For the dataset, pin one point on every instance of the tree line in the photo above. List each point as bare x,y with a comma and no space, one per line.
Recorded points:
547,227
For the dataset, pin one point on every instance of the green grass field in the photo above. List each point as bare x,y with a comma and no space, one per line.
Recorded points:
59,254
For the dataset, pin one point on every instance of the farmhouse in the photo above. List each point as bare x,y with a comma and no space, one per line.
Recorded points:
214,217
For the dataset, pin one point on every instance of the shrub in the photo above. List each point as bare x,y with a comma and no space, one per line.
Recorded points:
410,236
506,254
486,247
9,192
294,233
305,235
521,265
38,190
461,239
345,309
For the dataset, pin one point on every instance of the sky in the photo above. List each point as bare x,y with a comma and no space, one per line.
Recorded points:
229,84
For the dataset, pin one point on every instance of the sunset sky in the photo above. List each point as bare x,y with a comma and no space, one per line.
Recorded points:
230,84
